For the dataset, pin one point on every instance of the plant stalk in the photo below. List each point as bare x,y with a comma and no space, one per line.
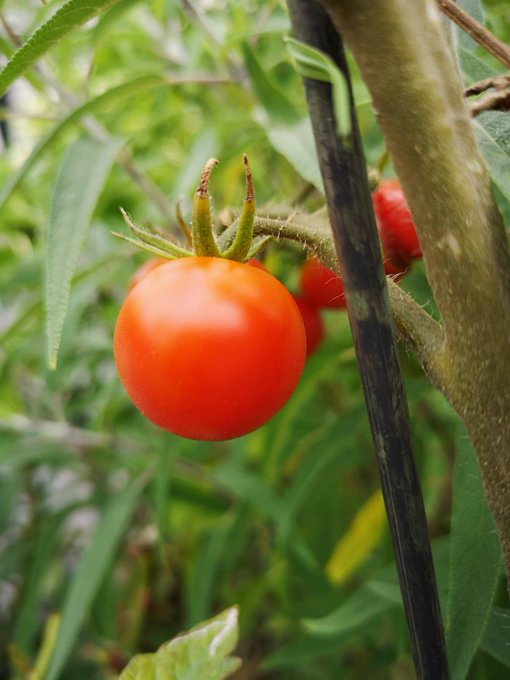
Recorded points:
351,216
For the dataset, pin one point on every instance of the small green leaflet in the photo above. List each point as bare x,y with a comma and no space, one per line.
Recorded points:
314,64
81,178
71,15
200,654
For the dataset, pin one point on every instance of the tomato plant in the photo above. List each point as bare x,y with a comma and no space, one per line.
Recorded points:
209,348
312,321
396,227
321,286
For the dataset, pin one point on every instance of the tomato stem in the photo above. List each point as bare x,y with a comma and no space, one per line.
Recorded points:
202,234
241,245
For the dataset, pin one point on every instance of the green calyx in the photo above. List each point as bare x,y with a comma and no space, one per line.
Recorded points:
201,237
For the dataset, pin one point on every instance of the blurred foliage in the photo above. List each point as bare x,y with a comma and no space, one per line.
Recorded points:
127,532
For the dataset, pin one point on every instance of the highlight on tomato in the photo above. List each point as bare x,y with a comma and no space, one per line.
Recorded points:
321,286
209,348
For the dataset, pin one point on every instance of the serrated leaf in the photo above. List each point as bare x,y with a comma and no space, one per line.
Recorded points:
92,569
82,174
200,654
71,15
314,64
358,541
473,542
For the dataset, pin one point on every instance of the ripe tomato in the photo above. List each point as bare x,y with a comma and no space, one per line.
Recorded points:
395,268
312,320
321,286
144,269
209,348
396,227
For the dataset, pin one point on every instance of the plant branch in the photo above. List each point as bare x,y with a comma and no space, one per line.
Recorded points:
421,333
408,67
476,31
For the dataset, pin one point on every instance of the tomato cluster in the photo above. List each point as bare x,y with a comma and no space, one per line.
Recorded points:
399,244
211,348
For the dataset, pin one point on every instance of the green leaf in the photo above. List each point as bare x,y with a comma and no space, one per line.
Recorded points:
210,564
116,94
492,131
475,563
277,106
496,638
73,14
462,39
200,654
315,65
92,569
82,175
360,608
296,143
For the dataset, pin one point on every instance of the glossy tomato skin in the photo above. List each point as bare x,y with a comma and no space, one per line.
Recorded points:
312,320
321,286
208,348
397,231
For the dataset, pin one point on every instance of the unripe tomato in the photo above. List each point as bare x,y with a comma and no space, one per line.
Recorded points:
208,348
312,320
321,286
396,227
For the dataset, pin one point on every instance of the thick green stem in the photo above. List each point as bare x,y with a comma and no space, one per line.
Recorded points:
417,329
406,63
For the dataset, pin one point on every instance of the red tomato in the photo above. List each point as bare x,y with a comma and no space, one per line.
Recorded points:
144,269
148,266
396,227
209,348
395,268
321,286
312,320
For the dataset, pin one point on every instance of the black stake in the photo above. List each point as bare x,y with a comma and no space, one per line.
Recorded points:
350,212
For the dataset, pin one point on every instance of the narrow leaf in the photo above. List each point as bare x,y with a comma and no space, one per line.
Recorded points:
200,654
82,175
73,14
296,144
358,541
316,65
360,608
277,106
91,571
473,542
